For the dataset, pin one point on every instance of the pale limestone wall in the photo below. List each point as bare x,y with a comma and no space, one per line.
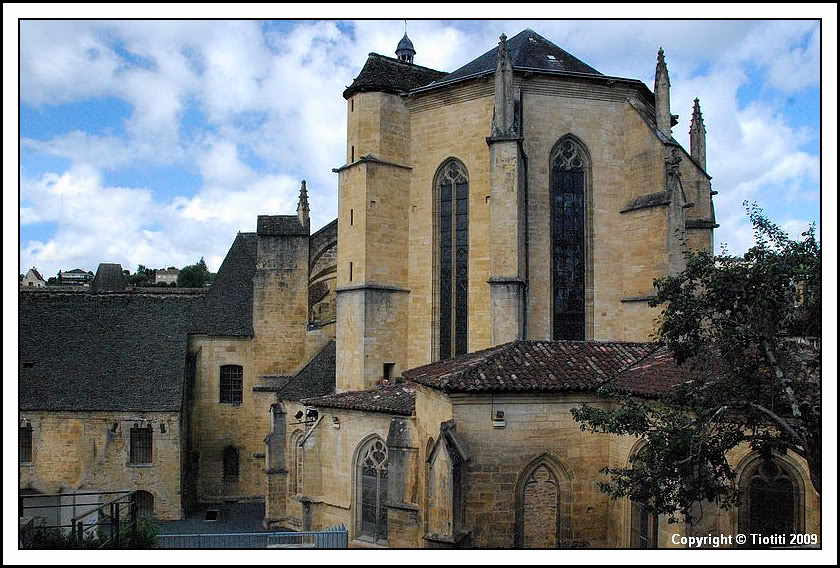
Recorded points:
349,355
329,460
215,426
377,125
281,303
76,450
535,425
627,162
444,125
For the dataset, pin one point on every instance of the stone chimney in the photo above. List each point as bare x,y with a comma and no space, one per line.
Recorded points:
303,205
662,92
697,135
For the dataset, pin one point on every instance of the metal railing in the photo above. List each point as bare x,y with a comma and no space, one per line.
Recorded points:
333,537
92,527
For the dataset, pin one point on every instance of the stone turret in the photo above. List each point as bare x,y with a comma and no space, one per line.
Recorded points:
697,135
662,92
504,123
303,205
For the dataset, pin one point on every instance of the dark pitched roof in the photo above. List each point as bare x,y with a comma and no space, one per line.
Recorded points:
655,375
532,366
390,75
528,50
393,399
280,225
317,378
228,305
109,278
123,352
36,273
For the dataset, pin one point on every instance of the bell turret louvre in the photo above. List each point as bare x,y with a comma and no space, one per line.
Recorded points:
405,50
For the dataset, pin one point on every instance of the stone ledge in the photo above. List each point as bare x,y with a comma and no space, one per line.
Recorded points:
645,201
374,287
644,298
370,159
700,224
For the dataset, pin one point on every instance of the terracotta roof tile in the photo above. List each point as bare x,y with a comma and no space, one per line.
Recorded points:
532,366
393,399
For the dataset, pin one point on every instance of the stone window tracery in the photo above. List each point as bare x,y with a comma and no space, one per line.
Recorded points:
452,188
772,499
372,491
569,171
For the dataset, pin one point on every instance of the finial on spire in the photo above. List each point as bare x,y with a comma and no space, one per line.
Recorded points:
303,205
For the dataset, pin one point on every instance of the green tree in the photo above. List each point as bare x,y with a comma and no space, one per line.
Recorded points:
739,324
143,277
194,275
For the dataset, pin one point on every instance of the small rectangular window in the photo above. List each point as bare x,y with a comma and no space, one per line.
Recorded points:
140,451
351,217
388,371
352,154
351,272
25,444
351,104
230,384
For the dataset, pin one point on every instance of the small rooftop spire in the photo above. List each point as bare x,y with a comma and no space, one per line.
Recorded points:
662,95
303,205
697,135
405,49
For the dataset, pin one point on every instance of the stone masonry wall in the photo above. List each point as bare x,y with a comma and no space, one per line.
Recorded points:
78,450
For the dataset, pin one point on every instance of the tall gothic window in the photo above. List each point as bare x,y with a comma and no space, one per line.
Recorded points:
568,189
452,185
643,527
772,500
297,447
140,448
372,491
25,444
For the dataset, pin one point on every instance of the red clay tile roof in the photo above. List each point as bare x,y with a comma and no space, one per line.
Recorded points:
655,375
393,399
532,366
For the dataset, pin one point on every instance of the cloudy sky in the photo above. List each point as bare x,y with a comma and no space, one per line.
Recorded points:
154,142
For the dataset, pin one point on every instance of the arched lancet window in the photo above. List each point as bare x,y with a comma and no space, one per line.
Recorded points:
644,525
297,468
773,499
372,491
569,172
231,465
145,504
543,512
452,190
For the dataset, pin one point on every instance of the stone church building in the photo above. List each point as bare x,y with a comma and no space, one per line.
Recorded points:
409,369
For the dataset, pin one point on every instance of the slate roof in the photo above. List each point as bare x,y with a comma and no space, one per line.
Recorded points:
317,378
280,225
36,273
109,278
389,75
228,305
527,50
393,399
118,352
532,366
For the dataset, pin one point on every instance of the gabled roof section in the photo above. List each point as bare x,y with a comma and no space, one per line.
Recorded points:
317,378
109,278
527,50
658,374
389,75
228,305
393,399
120,352
532,366
37,274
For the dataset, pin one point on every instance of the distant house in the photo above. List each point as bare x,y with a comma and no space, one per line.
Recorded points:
33,279
167,275
77,276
